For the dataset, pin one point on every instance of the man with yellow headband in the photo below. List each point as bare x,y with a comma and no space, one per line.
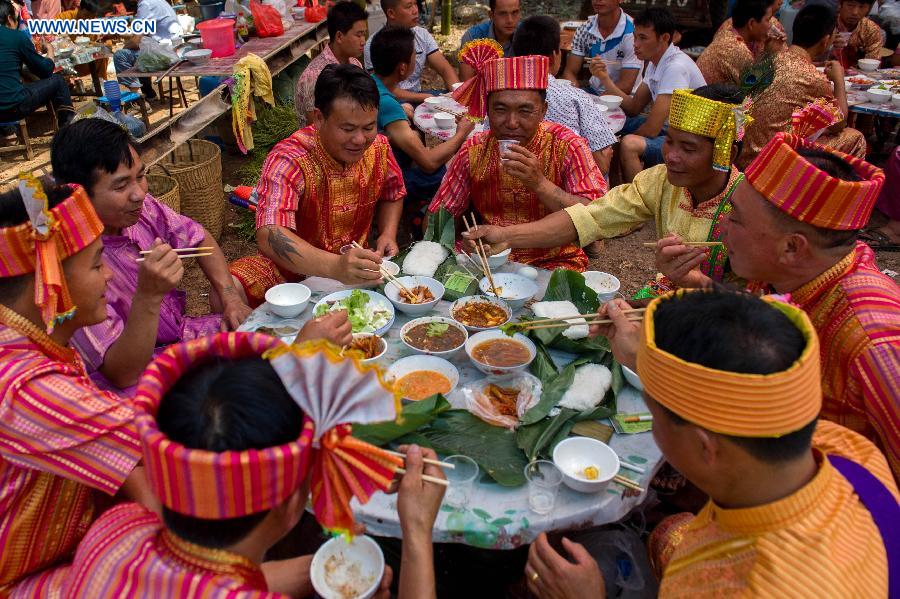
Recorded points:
61,438
687,197
797,508
546,167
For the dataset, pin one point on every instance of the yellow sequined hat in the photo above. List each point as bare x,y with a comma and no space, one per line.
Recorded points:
723,122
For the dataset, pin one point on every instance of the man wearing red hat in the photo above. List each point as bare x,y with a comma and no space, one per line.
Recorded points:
545,168
794,225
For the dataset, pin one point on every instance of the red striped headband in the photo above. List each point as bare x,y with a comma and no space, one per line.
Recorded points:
41,244
810,195
230,484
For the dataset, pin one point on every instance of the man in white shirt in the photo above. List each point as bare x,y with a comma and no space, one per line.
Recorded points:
167,28
405,13
566,104
607,37
669,69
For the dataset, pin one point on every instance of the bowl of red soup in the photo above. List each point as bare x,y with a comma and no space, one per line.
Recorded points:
420,377
434,336
495,352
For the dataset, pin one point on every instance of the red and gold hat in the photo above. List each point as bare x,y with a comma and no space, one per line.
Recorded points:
49,237
801,190
331,390
495,73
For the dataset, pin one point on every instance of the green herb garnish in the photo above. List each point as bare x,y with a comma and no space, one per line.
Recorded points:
511,328
436,329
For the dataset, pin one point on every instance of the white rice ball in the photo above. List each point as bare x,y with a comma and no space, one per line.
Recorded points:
424,258
579,328
590,384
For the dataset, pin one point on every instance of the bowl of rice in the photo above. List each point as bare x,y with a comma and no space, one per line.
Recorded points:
422,288
515,290
587,465
347,570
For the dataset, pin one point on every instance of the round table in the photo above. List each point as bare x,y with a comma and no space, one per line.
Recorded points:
497,517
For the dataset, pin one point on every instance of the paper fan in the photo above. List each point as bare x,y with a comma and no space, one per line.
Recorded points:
471,93
810,121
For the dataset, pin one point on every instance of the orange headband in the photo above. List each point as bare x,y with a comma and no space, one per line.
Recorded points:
40,245
730,403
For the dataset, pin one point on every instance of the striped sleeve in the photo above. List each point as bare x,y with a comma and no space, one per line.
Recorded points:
279,190
877,370
582,176
64,425
456,186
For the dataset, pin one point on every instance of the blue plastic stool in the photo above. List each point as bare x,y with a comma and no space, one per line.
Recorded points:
130,97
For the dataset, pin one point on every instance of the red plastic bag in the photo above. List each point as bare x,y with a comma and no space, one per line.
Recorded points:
266,19
314,14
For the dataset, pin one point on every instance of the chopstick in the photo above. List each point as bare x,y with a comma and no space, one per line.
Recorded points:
482,254
448,111
183,256
426,460
628,483
699,244
576,316
561,325
631,466
633,315
178,250
427,478
389,276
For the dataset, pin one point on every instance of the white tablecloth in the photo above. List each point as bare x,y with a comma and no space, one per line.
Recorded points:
497,517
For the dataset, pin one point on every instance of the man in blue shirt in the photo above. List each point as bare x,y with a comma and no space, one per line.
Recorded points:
393,58
500,27
17,99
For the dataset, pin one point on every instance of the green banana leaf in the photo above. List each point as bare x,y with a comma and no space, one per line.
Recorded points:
441,228
412,417
492,447
543,366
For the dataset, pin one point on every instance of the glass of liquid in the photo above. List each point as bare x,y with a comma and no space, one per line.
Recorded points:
543,484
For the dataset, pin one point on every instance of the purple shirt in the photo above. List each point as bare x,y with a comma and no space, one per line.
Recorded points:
120,252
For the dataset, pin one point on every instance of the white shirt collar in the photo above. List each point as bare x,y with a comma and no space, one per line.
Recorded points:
617,32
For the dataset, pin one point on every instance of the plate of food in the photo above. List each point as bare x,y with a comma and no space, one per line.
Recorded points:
434,335
369,312
860,82
480,312
420,377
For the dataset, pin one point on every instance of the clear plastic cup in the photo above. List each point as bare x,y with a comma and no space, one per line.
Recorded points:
504,147
543,485
461,480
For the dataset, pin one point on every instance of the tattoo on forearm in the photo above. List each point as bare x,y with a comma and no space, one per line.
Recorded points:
282,245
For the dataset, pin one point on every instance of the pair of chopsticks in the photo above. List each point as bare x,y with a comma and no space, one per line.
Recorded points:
440,108
628,483
183,253
482,255
425,477
698,244
634,315
403,289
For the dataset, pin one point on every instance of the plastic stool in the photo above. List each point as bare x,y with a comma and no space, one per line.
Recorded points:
130,97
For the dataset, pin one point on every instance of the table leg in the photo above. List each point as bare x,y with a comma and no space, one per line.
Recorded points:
95,78
171,98
181,93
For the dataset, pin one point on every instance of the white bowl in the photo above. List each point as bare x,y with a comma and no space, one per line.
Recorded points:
373,296
380,354
604,284
896,99
574,454
404,366
393,294
288,299
877,95
428,319
456,86
868,64
632,378
611,102
472,299
362,551
198,57
434,100
444,120
515,290
483,336
392,268
499,259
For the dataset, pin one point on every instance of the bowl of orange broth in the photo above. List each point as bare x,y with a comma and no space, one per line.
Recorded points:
420,377
494,352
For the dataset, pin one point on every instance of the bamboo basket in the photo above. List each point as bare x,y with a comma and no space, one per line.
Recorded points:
197,167
165,189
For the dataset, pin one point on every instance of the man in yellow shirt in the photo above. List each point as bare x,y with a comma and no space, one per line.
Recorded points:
797,508
687,197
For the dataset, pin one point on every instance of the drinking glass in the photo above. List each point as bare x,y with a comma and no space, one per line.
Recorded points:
461,479
543,484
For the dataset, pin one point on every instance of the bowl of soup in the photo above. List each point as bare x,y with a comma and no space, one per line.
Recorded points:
420,377
434,336
495,352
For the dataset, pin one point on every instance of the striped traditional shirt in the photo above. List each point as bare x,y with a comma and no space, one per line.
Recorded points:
476,178
856,311
820,541
61,439
129,553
